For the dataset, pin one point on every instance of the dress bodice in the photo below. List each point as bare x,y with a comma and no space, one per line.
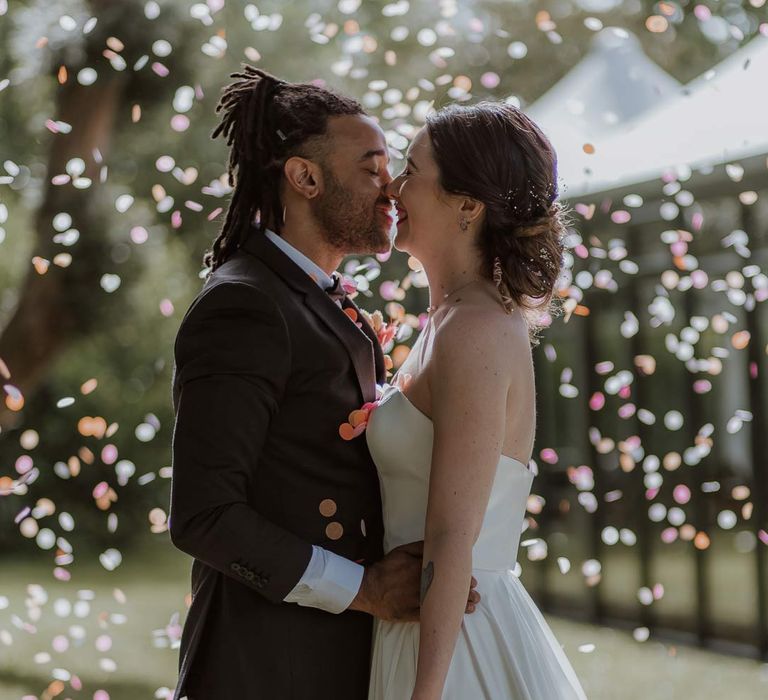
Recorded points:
400,441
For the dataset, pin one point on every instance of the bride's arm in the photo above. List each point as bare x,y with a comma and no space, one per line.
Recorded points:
469,376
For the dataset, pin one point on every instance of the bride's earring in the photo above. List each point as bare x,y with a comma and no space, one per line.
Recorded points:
463,224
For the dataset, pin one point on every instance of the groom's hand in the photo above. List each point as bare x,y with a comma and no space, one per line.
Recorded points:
390,587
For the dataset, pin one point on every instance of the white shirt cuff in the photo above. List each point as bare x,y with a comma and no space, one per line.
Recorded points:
330,582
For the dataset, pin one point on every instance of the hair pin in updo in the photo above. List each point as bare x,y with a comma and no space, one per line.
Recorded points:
510,199
547,258
282,136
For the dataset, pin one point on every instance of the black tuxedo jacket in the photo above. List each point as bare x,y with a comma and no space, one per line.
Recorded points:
267,367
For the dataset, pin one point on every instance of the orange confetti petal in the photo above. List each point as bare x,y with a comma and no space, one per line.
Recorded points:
88,426
740,340
14,403
115,44
701,541
358,417
74,465
348,432
41,265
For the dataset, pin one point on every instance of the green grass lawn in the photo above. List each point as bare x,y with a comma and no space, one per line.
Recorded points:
154,582
730,574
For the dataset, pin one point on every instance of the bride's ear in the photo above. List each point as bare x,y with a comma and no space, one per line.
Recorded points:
471,210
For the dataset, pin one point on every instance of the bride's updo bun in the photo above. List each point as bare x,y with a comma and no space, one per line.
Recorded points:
494,153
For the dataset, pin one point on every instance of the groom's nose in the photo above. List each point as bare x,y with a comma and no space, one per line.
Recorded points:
392,188
386,180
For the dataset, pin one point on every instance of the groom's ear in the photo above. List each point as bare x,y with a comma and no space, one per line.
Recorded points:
303,176
470,209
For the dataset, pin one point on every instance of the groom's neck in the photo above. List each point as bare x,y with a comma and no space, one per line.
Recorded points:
310,241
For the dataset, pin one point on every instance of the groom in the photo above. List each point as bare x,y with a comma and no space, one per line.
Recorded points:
282,516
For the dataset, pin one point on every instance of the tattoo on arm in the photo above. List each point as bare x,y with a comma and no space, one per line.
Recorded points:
427,575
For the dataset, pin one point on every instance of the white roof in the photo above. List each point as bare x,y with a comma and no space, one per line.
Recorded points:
720,117
613,84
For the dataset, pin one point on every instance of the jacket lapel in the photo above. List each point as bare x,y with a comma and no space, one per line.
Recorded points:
358,344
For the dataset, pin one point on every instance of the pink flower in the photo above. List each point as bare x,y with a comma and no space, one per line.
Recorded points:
385,332
349,286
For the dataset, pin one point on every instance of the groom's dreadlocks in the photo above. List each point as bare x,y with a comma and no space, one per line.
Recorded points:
266,121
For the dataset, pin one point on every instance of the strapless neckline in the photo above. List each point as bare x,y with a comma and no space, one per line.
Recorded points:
393,390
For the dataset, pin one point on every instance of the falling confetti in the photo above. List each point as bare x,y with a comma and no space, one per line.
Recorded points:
671,323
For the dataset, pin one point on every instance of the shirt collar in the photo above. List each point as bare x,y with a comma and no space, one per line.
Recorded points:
323,279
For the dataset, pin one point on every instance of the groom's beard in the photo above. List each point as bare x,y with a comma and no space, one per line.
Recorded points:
350,225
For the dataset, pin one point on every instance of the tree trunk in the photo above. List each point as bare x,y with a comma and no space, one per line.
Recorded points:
53,307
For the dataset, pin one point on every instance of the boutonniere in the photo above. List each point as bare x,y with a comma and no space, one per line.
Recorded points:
386,333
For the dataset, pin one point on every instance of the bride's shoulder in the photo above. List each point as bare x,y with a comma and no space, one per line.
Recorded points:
474,331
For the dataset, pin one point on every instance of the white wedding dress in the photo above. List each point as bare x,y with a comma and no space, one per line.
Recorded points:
505,649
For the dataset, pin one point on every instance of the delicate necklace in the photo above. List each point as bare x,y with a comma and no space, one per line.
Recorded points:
432,309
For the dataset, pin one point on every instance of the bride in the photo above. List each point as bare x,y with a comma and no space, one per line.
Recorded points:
453,435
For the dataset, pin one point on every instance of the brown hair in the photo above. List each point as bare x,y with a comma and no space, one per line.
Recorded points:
495,154
266,121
